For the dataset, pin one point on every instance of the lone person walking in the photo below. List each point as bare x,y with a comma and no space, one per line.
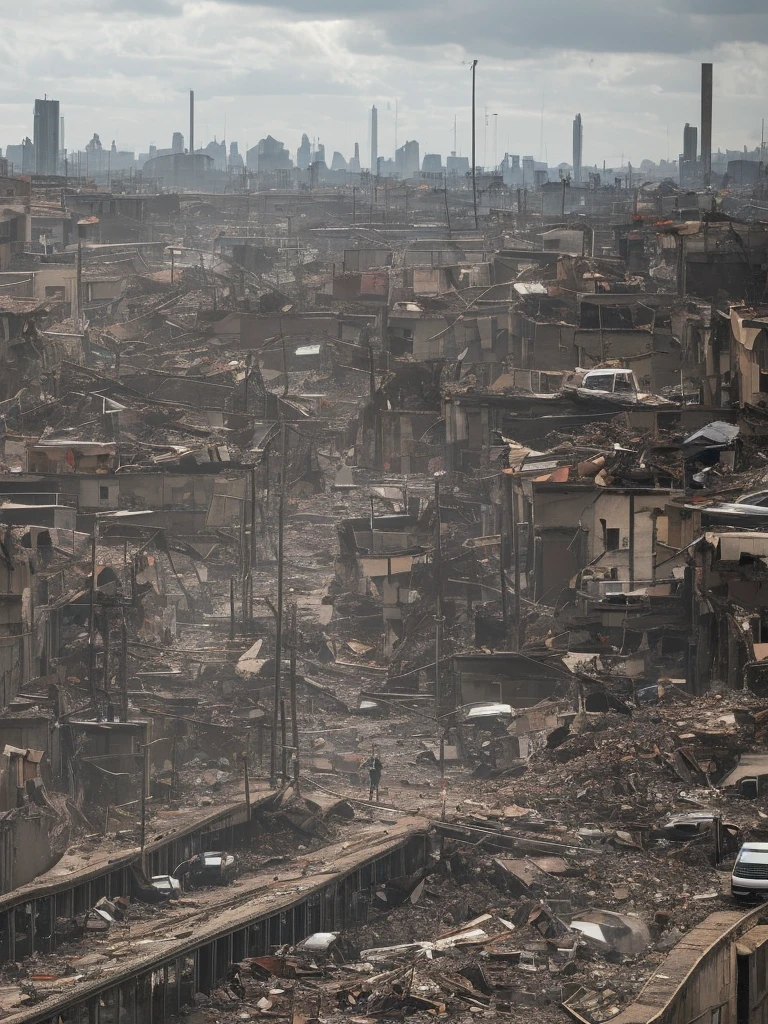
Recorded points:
374,775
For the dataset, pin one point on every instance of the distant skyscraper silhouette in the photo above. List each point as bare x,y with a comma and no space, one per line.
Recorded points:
46,136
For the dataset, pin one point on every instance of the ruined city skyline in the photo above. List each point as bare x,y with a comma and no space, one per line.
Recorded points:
37,154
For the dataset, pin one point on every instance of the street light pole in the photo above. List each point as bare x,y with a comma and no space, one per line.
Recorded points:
474,161
439,620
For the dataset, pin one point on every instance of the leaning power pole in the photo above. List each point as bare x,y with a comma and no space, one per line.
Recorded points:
474,161
439,620
279,616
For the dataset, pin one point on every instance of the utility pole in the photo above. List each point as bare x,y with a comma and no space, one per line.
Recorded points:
80,279
283,742
246,777
294,708
632,538
279,625
503,549
253,547
439,620
105,683
286,385
144,784
246,548
92,625
474,182
123,670
519,624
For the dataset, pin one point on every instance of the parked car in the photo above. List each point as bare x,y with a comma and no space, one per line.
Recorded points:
750,872
212,868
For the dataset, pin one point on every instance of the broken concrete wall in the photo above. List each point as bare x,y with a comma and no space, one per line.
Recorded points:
433,254
17,663
568,516
501,677
399,447
629,515
635,347
219,496
541,345
357,260
367,286
255,329
34,733
433,280
564,519
25,847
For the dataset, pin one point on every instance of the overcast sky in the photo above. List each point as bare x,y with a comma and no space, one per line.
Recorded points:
122,68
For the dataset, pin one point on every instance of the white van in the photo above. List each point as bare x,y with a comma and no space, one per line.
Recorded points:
750,872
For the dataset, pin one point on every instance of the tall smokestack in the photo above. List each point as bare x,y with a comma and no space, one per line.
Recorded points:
706,121
374,141
191,120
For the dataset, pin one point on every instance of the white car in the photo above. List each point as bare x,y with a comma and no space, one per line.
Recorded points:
750,872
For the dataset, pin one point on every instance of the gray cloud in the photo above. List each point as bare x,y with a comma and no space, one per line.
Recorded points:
502,28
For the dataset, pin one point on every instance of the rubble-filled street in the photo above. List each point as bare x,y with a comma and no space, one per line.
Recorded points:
383,589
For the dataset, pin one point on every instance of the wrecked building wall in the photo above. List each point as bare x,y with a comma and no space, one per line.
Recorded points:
510,678
226,502
422,337
563,521
16,640
630,346
25,848
393,440
32,733
219,496
433,280
468,426
256,329
356,260
581,524
629,547
433,254
57,282
748,356
538,345
99,492
486,338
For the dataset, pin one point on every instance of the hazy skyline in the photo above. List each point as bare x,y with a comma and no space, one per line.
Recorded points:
123,69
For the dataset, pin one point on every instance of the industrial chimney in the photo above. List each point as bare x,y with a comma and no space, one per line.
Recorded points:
706,122
192,120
